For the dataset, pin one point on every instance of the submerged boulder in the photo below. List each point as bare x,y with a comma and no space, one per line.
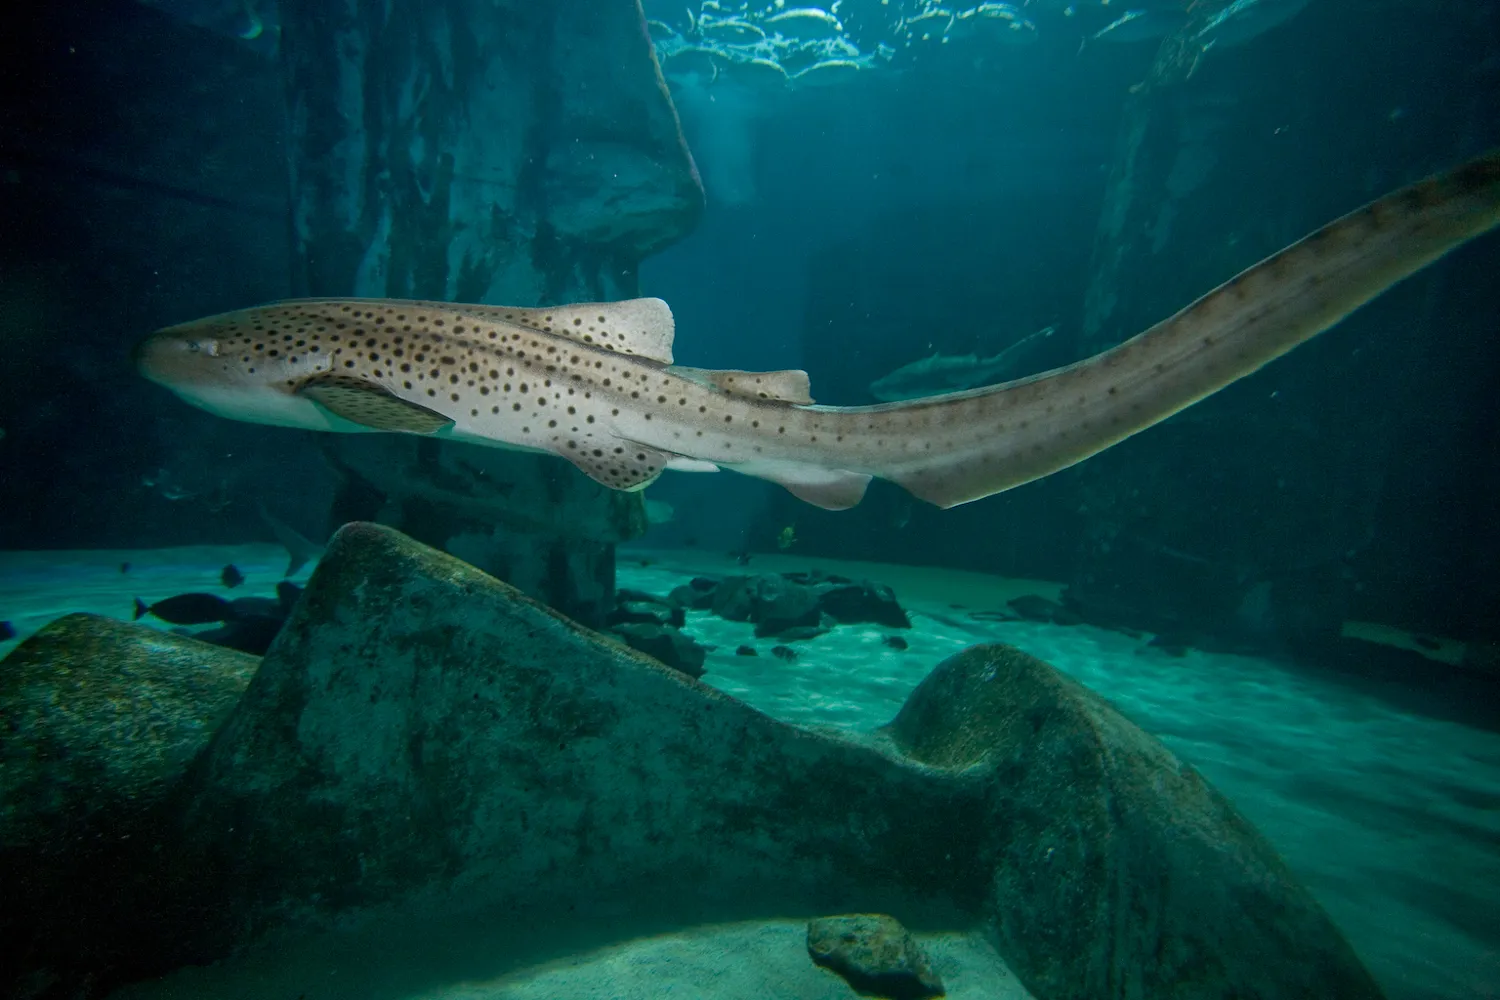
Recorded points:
1117,870
806,604
769,600
875,955
696,595
662,642
639,607
102,720
103,717
863,601
425,740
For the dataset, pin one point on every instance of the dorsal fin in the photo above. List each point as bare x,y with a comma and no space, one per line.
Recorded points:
787,386
642,328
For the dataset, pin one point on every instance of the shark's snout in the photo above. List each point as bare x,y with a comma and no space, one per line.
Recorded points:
232,369
169,355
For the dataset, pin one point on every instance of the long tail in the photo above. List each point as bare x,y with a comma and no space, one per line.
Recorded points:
1033,427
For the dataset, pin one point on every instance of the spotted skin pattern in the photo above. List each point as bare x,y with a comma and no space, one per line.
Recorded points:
594,384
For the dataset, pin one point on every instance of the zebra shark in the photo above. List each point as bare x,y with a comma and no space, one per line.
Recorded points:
594,383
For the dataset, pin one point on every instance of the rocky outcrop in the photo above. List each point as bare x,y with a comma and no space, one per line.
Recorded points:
662,642
1116,869
528,153
422,738
530,520
102,718
513,153
875,955
101,722
641,607
794,605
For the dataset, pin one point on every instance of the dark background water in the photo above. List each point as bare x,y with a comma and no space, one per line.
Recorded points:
945,206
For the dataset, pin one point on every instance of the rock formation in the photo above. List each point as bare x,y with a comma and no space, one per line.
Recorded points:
102,721
422,739
502,152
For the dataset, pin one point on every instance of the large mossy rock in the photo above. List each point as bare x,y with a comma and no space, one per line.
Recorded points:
1116,870
424,740
101,721
421,731
103,717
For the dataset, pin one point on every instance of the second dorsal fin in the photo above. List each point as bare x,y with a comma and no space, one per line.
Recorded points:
787,386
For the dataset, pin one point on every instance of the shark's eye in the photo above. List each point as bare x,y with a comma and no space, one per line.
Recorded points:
209,347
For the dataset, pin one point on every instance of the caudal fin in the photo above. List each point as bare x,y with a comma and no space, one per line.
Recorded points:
1027,429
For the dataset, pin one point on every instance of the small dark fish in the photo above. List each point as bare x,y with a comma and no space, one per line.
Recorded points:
124,567
231,576
187,609
896,642
746,651
7,631
784,653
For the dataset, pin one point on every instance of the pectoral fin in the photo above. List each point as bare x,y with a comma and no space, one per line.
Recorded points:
371,405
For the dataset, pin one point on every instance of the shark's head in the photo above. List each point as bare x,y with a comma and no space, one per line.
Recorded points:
243,365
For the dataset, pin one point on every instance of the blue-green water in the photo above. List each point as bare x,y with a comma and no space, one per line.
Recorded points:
1389,816
900,198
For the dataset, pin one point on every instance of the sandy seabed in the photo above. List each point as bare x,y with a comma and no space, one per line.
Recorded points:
1392,818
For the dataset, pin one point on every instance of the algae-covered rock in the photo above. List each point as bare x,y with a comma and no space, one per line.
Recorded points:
1115,869
424,731
875,955
664,643
101,715
102,721
423,739
795,605
863,601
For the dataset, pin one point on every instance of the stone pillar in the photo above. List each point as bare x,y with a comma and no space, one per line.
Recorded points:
1120,230
497,151
1170,132
1182,523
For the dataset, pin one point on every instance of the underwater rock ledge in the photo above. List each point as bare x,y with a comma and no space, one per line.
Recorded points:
100,723
422,738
